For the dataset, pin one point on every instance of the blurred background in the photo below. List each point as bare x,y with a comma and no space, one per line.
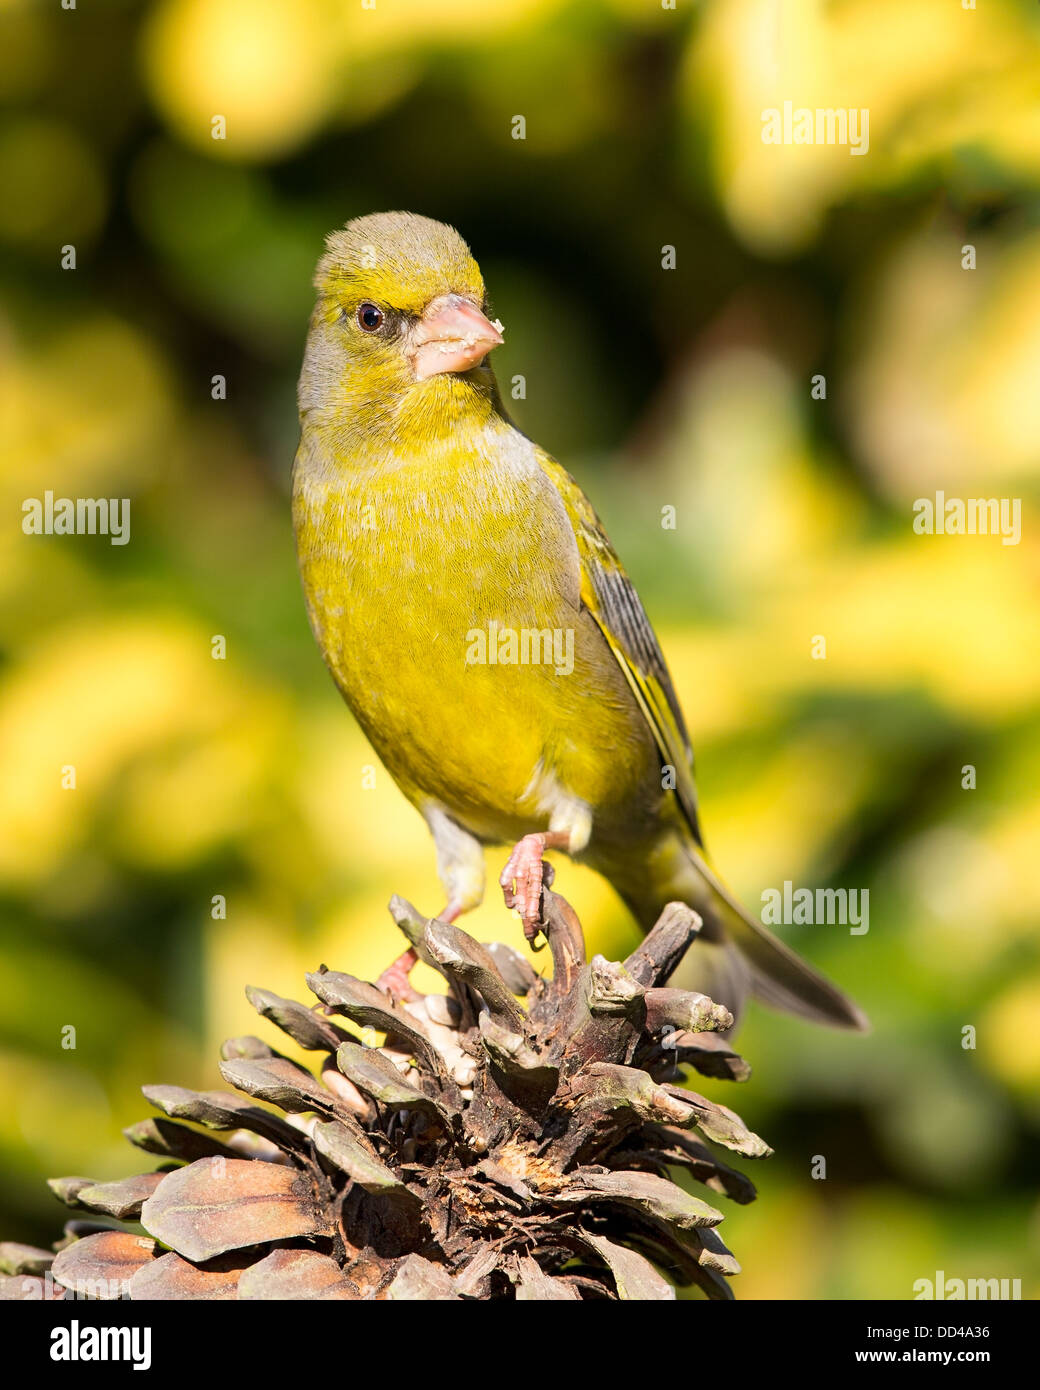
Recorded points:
688,388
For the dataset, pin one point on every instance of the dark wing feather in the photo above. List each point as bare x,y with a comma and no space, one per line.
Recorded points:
611,598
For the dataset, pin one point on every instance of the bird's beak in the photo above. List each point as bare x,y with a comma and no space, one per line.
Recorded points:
452,336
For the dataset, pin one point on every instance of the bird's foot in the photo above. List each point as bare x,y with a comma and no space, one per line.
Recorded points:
522,878
394,979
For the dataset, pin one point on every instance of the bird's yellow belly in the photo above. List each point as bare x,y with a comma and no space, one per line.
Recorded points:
461,647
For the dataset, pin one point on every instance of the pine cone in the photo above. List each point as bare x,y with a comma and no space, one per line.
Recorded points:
487,1149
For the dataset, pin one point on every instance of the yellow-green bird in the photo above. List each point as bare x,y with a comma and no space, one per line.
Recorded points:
477,621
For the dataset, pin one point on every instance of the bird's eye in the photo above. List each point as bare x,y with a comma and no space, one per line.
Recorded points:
369,316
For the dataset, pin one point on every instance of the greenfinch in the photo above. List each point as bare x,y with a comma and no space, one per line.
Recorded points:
474,615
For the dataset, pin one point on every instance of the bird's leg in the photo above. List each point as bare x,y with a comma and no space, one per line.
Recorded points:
521,879
394,979
460,863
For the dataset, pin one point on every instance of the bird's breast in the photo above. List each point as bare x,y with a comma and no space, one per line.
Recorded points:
444,596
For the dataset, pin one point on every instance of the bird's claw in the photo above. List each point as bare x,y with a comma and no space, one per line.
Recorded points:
521,881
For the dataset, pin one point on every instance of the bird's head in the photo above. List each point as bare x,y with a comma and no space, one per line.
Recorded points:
399,330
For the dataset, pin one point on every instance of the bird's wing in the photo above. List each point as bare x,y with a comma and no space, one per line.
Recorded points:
611,598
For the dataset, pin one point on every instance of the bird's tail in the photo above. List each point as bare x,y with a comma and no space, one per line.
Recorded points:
744,957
